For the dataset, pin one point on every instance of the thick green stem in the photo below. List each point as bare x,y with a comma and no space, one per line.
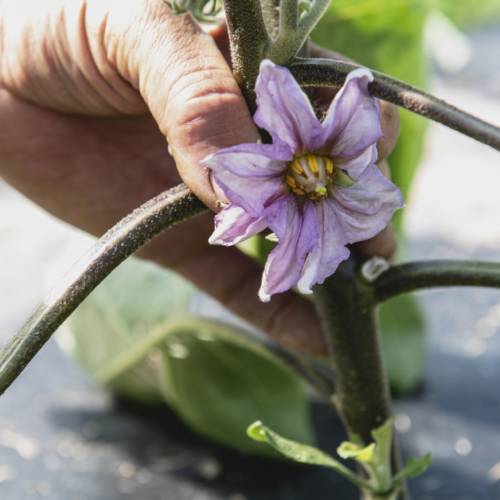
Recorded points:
112,249
330,73
348,319
248,39
346,309
414,276
270,13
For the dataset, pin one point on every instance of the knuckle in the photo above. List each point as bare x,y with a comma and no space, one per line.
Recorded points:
200,105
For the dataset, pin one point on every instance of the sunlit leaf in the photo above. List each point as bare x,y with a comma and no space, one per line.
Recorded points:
415,467
301,453
137,335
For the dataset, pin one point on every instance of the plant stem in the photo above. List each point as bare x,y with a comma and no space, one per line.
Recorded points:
414,276
330,73
289,16
294,32
270,13
311,19
347,313
121,241
248,39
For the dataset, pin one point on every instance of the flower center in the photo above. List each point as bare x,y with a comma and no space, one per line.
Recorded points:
309,175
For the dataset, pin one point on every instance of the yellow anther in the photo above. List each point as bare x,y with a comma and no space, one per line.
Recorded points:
328,165
312,163
290,180
297,167
310,175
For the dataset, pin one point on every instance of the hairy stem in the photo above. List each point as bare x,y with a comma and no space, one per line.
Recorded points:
329,73
311,19
121,241
248,39
294,32
414,276
347,313
270,13
289,16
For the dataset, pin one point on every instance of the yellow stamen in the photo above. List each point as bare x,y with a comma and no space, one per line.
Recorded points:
312,163
297,167
290,180
310,175
328,165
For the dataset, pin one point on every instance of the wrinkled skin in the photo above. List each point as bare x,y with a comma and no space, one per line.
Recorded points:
89,93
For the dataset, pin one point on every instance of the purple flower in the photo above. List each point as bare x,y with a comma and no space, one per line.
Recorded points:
316,186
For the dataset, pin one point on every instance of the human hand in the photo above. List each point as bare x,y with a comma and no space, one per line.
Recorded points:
89,90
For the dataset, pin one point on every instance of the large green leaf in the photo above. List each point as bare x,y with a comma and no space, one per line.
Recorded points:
112,332
219,384
134,334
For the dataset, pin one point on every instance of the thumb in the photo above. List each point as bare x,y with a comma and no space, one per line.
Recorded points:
187,85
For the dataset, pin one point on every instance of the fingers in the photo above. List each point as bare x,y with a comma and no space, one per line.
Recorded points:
96,57
187,85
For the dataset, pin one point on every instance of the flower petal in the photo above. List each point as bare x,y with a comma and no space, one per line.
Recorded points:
329,251
251,175
233,225
356,165
352,122
284,110
297,231
366,208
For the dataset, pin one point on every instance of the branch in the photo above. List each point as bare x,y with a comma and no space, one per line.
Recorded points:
121,241
270,13
330,73
312,17
293,31
406,278
248,39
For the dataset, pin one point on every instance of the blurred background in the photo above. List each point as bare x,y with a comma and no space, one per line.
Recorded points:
64,437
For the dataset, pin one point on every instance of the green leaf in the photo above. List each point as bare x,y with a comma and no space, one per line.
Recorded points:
218,382
414,467
136,334
363,454
383,441
297,452
301,453
114,332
